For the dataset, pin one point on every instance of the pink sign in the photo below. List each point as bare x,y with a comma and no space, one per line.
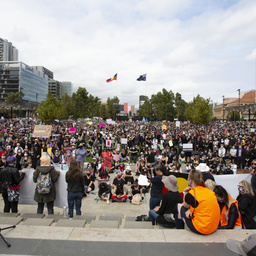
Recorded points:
116,157
102,125
72,130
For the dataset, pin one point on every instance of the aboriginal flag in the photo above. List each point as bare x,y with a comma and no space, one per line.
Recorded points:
112,78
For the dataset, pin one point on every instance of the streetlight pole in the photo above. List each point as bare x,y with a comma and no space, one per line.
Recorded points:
239,102
21,89
223,108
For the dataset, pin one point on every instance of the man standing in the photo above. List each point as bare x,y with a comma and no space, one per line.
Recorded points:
80,156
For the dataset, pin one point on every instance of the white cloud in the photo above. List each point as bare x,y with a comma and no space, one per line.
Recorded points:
185,46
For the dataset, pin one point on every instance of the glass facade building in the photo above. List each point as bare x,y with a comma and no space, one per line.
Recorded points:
66,88
17,76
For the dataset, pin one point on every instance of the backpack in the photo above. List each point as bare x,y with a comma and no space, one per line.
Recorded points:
136,199
44,183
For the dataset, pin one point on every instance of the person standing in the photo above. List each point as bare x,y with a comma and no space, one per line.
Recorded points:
253,173
47,197
10,176
80,156
156,187
75,181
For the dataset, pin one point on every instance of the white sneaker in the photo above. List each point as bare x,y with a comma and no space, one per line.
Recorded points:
108,201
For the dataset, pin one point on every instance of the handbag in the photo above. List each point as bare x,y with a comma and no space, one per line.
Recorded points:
13,193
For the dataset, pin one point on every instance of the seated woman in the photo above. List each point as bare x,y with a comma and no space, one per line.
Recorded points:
104,192
88,182
162,215
229,216
103,176
119,193
128,176
200,209
135,189
247,205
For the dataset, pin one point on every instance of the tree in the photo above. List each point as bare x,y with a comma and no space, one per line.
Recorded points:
145,109
233,116
103,111
180,106
15,97
199,110
50,109
113,107
81,103
163,105
68,105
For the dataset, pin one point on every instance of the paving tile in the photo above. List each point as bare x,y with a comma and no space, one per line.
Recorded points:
87,217
104,224
9,214
130,218
111,218
10,220
56,217
32,215
70,223
38,222
138,225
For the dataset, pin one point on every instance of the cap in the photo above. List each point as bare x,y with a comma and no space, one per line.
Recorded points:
246,248
11,159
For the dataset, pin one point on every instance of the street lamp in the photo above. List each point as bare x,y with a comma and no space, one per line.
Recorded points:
223,109
239,102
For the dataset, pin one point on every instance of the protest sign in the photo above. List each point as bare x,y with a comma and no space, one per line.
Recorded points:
43,131
108,162
108,143
72,130
123,141
116,157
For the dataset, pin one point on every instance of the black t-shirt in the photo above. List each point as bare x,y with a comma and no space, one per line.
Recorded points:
116,182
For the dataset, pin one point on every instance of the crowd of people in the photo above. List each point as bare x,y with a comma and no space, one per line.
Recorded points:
155,148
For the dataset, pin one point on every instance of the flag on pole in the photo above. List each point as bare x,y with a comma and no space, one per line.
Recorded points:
112,78
142,78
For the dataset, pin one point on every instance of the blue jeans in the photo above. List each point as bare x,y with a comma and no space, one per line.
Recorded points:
74,198
154,201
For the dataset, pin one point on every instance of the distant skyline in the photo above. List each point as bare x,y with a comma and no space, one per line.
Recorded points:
205,47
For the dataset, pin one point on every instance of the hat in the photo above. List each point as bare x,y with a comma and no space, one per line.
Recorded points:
202,167
81,145
11,159
170,183
246,247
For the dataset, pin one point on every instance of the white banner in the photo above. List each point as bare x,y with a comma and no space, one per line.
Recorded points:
27,189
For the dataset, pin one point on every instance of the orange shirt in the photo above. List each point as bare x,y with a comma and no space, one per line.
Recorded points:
207,213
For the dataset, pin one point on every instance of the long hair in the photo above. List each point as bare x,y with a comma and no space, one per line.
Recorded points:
74,173
221,192
197,177
247,187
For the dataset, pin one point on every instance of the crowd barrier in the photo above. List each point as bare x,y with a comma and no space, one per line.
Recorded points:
27,186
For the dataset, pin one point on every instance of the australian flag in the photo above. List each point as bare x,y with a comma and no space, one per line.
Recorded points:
142,78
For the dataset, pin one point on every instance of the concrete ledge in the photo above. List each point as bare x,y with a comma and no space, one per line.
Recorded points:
56,217
38,222
87,217
71,223
10,220
9,214
32,215
138,225
110,224
111,218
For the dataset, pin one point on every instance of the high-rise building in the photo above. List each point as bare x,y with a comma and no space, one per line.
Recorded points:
7,51
141,99
44,70
125,107
55,88
20,77
66,88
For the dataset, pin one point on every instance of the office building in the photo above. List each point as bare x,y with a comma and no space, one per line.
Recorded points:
125,107
7,51
55,88
66,88
18,76
44,70
141,99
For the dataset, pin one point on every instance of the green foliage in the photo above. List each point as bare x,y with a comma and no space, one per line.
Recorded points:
113,107
233,116
180,105
145,110
163,105
103,111
51,109
199,110
15,97
68,105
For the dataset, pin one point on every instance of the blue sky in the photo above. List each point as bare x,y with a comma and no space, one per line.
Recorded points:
204,47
